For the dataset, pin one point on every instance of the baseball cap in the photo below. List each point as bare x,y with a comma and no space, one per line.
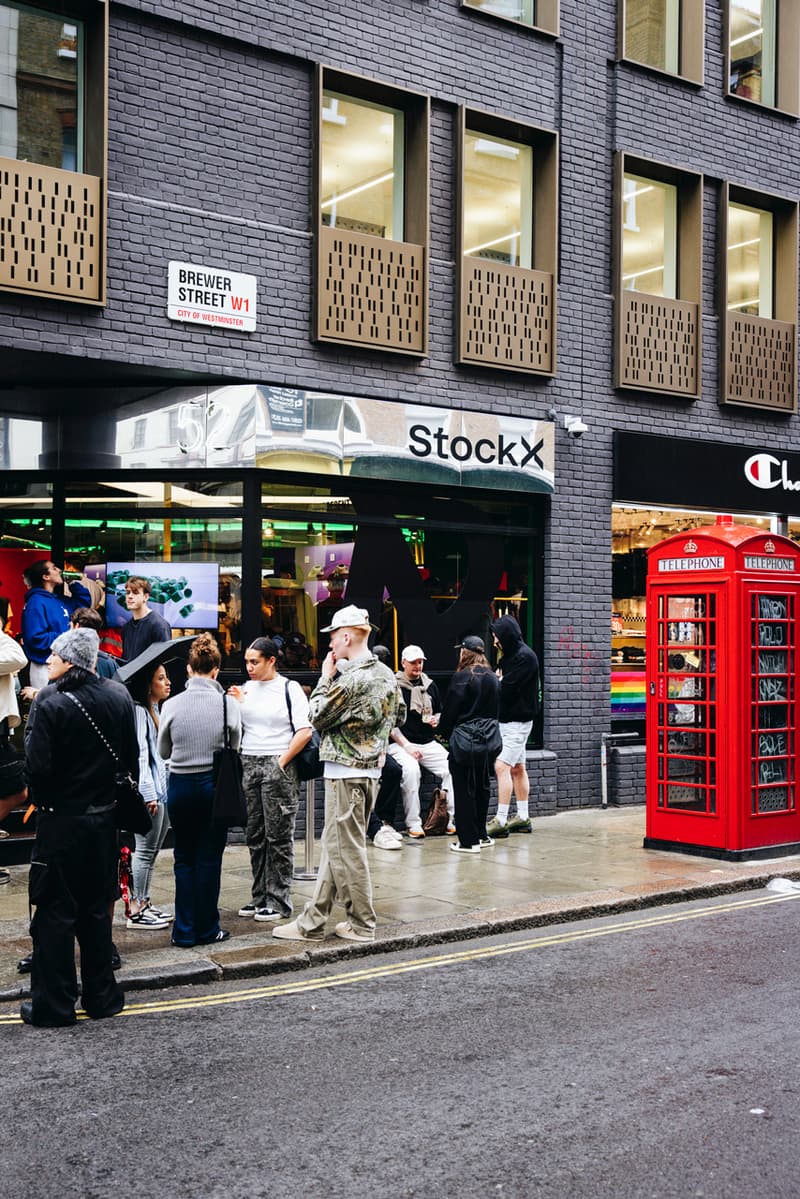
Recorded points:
349,617
412,653
471,642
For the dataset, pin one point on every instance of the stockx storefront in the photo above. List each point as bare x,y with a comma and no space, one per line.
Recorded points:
667,485
261,510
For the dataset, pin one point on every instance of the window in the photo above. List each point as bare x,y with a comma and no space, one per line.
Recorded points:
659,228
53,113
41,88
498,199
749,253
508,240
372,204
758,297
752,49
649,236
538,14
362,166
666,35
763,52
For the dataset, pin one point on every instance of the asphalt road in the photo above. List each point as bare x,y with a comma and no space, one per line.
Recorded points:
654,1054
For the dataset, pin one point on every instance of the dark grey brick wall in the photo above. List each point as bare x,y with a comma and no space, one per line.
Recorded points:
211,159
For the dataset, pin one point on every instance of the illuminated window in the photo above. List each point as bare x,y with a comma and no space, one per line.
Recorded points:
649,236
539,14
753,26
362,166
498,199
41,88
750,258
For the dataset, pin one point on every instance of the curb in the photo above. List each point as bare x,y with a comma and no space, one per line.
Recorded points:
263,963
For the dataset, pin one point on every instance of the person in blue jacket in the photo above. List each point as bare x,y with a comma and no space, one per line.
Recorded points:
49,603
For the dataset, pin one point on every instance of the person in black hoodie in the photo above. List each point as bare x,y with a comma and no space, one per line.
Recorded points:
469,722
519,704
80,734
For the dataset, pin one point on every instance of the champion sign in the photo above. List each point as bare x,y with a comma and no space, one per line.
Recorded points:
766,472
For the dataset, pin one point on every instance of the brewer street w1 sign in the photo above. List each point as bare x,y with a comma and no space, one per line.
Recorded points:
205,295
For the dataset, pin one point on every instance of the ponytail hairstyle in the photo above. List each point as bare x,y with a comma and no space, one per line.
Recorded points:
264,646
204,656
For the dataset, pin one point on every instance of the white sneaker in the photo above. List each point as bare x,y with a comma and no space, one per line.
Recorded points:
384,840
392,831
345,930
293,932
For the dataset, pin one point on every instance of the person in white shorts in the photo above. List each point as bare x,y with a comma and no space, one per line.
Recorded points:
519,704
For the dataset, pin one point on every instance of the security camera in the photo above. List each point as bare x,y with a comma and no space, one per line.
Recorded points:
575,426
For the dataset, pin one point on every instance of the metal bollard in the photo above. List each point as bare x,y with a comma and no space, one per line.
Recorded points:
309,871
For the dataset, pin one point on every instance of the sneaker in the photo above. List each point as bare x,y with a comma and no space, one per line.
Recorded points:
496,829
385,840
457,847
162,915
222,935
416,833
394,833
519,826
486,843
345,930
293,932
451,828
146,919
249,909
269,914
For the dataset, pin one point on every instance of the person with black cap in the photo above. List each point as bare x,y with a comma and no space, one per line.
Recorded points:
469,723
80,734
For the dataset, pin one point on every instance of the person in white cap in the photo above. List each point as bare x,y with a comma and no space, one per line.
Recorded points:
354,707
414,744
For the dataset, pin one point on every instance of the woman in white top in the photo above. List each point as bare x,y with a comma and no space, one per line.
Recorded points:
272,736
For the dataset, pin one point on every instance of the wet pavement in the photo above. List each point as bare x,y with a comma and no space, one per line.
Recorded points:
576,864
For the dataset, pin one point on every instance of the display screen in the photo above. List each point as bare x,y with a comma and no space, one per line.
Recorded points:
186,594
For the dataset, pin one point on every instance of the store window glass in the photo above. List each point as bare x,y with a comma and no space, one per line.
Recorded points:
635,530
498,199
41,85
649,236
131,493
362,166
753,34
194,568
750,260
24,539
652,33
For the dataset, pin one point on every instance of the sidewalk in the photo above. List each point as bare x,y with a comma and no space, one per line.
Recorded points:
577,864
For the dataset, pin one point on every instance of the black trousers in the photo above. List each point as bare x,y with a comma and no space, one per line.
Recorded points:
73,879
388,797
472,781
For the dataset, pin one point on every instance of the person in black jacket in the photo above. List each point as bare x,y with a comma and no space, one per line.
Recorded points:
469,722
519,704
74,864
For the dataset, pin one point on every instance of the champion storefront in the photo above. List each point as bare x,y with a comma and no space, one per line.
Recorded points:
259,509
662,486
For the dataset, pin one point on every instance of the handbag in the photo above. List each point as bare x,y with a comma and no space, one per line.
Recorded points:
229,807
307,761
478,736
130,809
437,817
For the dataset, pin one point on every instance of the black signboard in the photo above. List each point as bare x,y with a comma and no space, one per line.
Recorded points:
689,473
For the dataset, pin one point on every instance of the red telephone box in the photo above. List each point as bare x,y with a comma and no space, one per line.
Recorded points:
723,612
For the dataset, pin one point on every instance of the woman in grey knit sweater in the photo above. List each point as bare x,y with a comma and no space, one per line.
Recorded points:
191,729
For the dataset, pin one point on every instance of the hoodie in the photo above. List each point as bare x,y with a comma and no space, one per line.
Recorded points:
46,615
519,673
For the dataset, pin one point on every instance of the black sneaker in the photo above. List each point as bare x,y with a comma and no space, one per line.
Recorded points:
249,909
222,935
271,914
24,965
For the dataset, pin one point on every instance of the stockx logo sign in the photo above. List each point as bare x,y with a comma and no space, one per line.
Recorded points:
426,442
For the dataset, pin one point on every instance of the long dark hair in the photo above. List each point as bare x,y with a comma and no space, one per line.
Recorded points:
72,679
470,658
139,686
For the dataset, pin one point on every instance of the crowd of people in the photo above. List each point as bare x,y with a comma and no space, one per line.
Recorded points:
377,728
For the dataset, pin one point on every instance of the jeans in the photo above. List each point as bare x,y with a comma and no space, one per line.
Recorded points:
272,796
144,858
199,843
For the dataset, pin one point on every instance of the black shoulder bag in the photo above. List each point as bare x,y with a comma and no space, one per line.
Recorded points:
307,761
229,807
130,809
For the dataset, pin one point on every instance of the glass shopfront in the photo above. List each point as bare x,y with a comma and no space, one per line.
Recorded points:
290,505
